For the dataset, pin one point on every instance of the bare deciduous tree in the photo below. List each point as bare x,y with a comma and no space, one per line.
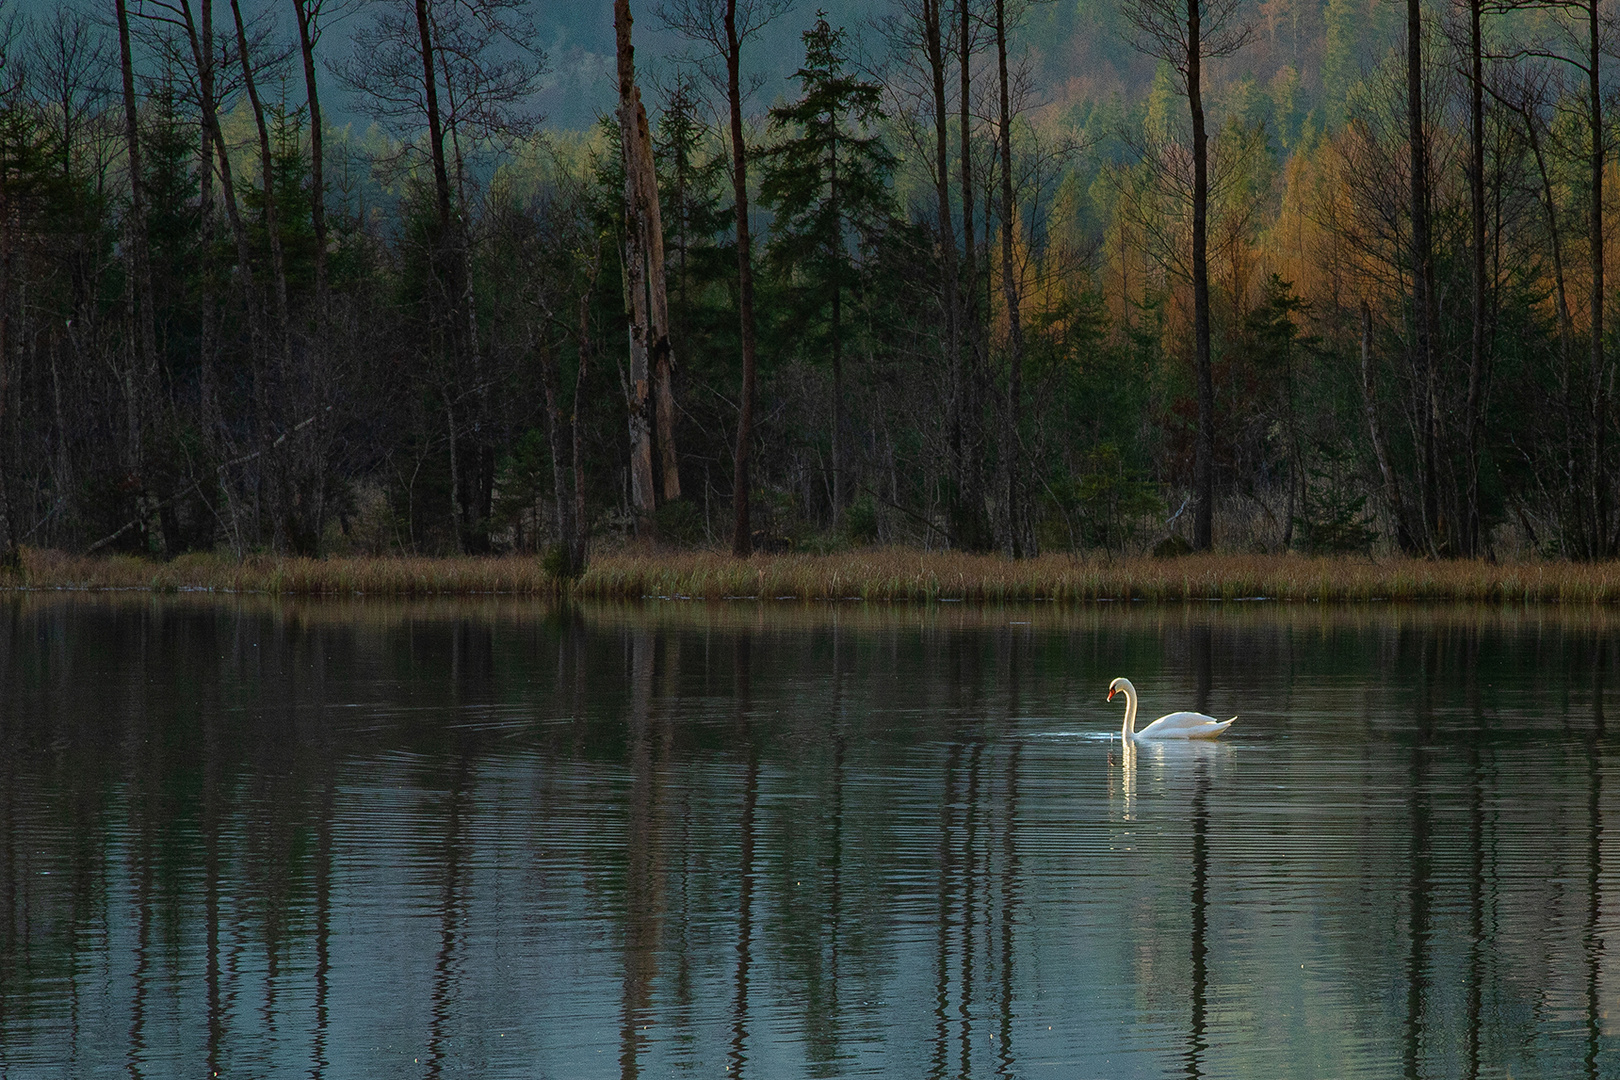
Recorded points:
723,27
468,72
1580,34
1185,33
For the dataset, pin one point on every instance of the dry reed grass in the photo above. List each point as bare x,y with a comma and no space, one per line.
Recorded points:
897,574
357,576
892,574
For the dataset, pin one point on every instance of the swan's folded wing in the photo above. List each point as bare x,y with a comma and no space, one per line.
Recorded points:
1181,720
1184,725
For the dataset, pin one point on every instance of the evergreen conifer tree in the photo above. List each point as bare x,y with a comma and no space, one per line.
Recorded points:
827,179
691,190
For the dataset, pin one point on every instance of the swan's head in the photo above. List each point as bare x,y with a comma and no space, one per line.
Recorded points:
1120,686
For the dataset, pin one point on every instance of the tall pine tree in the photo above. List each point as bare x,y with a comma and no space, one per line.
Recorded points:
827,179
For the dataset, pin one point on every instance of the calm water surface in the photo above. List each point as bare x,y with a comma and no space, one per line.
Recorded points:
500,840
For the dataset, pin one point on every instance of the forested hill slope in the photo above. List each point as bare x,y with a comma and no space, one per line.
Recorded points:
1304,55
1302,59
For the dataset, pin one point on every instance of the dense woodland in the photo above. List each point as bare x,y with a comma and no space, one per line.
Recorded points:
1286,276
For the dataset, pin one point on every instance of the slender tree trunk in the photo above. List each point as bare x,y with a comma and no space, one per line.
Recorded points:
10,556
284,530
141,378
481,492
306,12
267,162
1566,330
217,438
1375,431
1204,452
974,534
1013,542
577,542
455,475
555,439
1600,544
838,259
839,425
934,47
201,35
1473,526
449,254
742,541
430,98
1422,275
643,486
137,198
63,469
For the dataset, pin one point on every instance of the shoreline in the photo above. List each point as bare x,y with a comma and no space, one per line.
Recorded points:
887,574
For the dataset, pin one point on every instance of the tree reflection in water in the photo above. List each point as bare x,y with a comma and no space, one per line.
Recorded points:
830,840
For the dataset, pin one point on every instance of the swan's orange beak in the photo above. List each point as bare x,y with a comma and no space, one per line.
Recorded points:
1111,694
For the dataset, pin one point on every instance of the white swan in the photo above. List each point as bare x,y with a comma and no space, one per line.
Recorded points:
1176,725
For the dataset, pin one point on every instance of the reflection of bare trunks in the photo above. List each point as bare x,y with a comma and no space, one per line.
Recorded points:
1419,896
322,884
1476,860
211,823
454,856
643,906
1197,1043
1009,865
745,893
939,1063
1592,939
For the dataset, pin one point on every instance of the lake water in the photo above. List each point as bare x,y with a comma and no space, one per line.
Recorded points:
495,839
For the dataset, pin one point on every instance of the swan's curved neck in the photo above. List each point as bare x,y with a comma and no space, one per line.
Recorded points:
1129,727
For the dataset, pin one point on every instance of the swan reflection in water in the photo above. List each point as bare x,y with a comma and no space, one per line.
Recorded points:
1174,765
1167,764
1127,776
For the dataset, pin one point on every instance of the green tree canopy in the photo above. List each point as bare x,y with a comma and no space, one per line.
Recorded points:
827,180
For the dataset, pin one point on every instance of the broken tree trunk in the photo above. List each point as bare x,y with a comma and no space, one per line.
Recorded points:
652,399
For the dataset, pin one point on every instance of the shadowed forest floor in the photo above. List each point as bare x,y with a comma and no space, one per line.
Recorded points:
877,574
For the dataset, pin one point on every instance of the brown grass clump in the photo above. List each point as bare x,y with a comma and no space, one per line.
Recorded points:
894,574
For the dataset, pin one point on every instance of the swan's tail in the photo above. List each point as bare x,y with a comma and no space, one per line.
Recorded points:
1209,731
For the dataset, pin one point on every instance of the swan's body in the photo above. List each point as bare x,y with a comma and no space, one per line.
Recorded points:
1176,725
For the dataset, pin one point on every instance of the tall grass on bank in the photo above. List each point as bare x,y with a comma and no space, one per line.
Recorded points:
202,572
892,574
897,574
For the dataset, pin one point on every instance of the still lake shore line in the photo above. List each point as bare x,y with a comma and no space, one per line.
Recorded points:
885,574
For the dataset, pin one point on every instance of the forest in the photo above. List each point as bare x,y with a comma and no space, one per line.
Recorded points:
1115,276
